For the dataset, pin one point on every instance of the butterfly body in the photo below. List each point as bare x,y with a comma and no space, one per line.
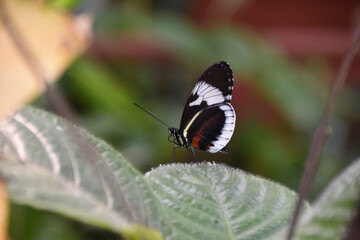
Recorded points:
208,119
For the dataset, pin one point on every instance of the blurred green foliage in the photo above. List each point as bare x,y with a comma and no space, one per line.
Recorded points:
153,56
63,4
31,224
105,86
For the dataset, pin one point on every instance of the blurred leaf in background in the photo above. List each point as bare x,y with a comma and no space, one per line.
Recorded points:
37,44
153,56
31,224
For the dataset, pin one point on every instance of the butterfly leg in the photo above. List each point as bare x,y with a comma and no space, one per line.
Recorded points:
173,151
192,150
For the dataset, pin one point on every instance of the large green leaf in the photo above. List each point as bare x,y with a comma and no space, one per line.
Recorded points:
52,165
331,214
209,201
335,207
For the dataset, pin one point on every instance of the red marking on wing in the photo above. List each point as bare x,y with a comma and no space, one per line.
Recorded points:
199,135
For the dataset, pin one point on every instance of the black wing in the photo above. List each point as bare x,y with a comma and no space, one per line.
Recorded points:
215,86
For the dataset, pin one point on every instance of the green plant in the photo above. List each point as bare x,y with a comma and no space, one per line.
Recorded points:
50,164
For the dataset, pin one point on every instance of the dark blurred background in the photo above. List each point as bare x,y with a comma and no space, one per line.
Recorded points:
284,55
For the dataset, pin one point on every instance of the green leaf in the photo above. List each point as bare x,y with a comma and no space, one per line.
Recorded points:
335,207
92,80
209,201
63,4
52,165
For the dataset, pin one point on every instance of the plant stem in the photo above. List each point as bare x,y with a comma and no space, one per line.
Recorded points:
322,132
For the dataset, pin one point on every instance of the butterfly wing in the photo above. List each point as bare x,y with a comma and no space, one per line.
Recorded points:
208,119
211,128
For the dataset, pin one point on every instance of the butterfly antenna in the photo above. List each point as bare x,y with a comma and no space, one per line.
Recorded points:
151,114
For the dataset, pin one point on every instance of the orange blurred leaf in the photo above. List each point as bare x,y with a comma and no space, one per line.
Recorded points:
3,210
37,43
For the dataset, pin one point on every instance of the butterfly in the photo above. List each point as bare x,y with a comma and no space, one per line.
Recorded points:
208,119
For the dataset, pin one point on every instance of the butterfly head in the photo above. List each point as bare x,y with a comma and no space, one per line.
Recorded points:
175,137
173,134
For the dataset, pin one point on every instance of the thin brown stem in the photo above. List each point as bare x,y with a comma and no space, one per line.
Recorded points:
353,231
321,133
